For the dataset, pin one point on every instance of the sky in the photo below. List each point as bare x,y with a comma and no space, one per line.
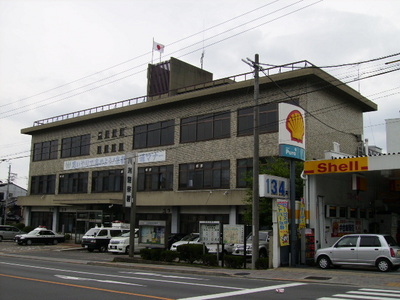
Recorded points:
61,56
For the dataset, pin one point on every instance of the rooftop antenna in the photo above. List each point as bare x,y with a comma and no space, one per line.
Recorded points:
202,53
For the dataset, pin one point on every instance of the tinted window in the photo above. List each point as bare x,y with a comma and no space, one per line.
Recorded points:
370,241
390,240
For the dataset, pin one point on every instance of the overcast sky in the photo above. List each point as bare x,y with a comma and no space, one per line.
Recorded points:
60,56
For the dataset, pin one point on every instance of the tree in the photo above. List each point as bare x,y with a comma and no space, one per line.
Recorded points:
276,166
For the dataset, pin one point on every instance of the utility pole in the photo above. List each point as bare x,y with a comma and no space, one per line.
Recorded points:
7,195
133,205
256,195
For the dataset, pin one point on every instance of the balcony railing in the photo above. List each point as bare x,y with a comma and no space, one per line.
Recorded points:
271,70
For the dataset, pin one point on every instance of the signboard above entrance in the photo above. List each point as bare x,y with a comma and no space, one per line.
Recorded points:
342,165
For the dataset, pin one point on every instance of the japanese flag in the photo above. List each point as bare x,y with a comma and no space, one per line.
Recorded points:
158,47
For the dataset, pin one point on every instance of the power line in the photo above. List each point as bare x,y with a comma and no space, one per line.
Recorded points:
4,115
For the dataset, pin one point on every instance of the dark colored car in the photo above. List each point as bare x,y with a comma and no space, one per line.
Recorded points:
39,236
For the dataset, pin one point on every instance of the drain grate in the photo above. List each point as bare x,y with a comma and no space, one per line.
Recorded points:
318,278
242,273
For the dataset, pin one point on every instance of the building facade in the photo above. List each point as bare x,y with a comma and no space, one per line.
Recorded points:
193,137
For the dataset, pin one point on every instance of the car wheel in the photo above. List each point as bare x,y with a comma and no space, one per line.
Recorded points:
127,250
324,262
55,242
383,265
90,249
103,249
263,253
28,242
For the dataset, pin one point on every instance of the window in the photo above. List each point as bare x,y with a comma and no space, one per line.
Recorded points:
75,146
121,147
206,127
114,133
114,148
268,119
99,148
107,134
350,241
73,183
370,241
107,181
45,150
205,175
122,132
155,178
106,148
100,135
153,135
244,169
45,184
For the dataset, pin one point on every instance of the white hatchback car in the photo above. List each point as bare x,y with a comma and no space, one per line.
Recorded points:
379,250
192,238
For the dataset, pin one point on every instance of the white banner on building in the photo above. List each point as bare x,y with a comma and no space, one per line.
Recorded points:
106,161
149,157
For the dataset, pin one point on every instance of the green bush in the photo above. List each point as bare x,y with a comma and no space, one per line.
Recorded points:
28,228
20,226
169,256
262,263
155,254
191,252
67,236
234,261
145,254
210,260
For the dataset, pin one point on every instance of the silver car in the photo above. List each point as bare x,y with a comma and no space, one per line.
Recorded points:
8,232
379,250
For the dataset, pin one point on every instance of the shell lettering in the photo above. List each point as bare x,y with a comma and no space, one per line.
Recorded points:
295,125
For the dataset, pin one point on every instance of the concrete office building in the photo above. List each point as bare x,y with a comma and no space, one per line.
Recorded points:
193,135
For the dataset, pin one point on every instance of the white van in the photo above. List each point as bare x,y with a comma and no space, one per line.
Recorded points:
120,244
99,237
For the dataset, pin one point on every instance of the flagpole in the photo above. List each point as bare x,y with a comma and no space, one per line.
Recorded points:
152,51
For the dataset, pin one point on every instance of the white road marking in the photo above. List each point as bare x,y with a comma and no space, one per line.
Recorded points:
244,292
126,277
96,280
370,294
164,276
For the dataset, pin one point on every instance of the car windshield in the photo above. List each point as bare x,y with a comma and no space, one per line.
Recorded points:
190,237
262,236
390,240
126,234
92,231
34,232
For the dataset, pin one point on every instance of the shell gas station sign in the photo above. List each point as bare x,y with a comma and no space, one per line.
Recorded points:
341,165
291,131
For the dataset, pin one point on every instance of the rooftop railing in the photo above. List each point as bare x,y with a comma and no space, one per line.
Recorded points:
271,70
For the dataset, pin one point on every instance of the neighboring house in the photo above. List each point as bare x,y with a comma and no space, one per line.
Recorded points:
202,131
13,210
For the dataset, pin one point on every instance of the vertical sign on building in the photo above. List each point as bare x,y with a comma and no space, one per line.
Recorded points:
291,131
129,179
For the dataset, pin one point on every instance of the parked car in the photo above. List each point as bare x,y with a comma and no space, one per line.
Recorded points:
263,236
99,237
39,235
213,248
379,250
120,244
192,238
8,232
174,237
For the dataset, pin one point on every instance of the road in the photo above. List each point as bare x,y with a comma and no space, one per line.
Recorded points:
61,277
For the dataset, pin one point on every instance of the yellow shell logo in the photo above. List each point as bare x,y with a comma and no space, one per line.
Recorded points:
295,125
